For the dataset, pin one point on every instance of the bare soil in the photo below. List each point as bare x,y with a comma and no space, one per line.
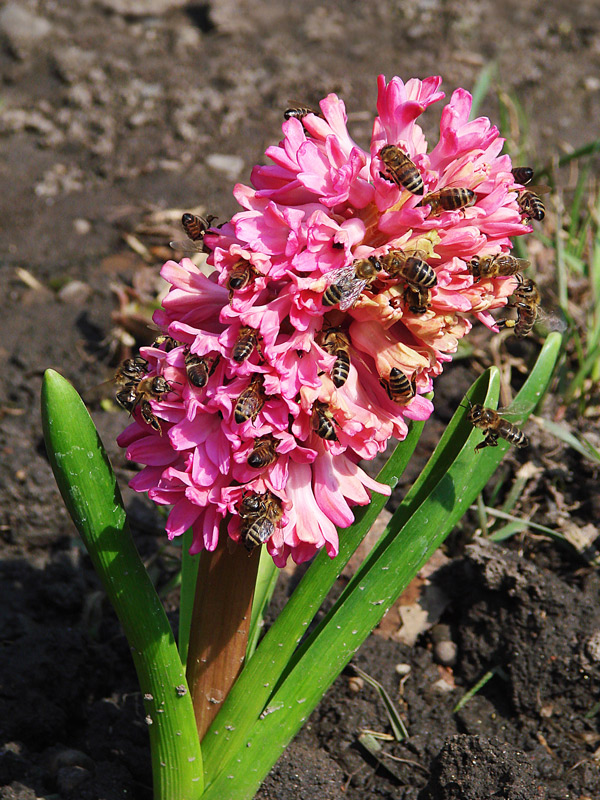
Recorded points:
113,110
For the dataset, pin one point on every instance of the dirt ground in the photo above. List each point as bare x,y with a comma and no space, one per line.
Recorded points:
114,111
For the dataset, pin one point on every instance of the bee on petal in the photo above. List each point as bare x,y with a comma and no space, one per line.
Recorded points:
199,368
250,401
410,268
263,453
399,388
399,169
140,394
527,303
260,515
500,265
335,342
324,422
448,200
248,339
347,283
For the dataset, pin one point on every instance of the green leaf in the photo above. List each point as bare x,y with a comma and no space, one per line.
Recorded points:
449,484
90,492
251,692
266,581
482,87
189,575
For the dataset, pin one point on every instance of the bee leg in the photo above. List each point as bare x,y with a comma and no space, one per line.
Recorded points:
259,349
506,323
149,418
214,364
491,440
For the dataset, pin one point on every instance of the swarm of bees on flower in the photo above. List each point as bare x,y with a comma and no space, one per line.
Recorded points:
412,280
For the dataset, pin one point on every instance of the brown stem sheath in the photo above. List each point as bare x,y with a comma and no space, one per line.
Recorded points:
219,628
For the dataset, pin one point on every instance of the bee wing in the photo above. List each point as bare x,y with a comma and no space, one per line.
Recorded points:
187,246
551,321
352,294
523,263
540,188
514,415
340,274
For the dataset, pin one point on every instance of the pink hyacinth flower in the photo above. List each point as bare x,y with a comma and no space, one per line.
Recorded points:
301,349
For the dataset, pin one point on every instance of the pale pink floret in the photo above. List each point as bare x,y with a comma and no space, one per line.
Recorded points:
317,208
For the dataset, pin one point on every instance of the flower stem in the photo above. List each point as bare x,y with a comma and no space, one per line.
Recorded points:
219,628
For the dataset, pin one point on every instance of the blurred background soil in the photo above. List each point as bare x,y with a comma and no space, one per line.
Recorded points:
116,116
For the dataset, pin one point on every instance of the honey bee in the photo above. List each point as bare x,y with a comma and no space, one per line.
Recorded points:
500,265
399,169
448,200
247,340
264,452
528,308
251,400
530,204
494,426
199,368
410,268
335,342
347,283
324,422
417,299
131,371
260,513
240,276
299,113
522,175
399,388
168,341
140,394
195,228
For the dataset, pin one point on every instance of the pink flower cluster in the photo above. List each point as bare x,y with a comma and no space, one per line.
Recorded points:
258,325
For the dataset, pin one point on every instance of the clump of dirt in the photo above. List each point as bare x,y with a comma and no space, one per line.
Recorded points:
478,768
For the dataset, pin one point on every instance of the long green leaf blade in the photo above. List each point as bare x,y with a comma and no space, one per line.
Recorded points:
266,580
407,545
90,491
189,575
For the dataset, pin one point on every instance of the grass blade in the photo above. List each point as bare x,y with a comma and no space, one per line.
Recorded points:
90,492
522,524
397,725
